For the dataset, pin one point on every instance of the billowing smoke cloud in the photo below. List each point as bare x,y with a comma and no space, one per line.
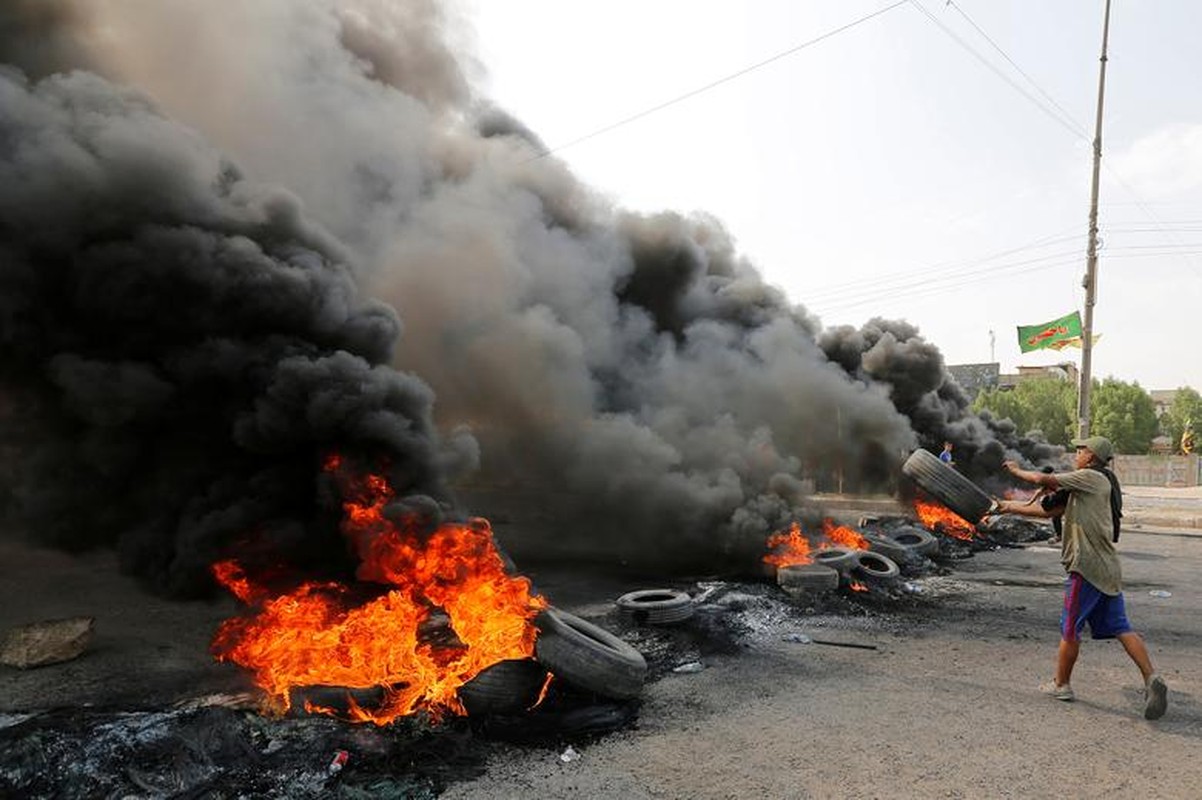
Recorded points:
182,347
191,341
894,353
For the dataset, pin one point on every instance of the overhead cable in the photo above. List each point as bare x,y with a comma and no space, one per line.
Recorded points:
718,82
1066,123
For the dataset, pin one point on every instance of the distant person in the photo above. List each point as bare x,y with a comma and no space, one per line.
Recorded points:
946,455
1093,588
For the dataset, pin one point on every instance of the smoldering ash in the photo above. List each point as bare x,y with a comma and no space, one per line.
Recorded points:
216,217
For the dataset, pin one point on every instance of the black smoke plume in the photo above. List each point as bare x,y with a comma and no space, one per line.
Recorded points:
183,347
184,343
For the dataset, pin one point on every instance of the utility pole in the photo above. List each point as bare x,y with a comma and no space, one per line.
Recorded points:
1091,258
992,342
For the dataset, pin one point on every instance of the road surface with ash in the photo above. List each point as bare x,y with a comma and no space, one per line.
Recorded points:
946,706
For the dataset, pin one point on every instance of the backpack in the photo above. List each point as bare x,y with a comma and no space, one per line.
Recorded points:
1060,497
1116,499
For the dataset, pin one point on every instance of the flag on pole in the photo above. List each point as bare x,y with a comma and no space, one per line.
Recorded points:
1053,335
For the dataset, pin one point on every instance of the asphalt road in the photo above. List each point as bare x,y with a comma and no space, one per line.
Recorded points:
945,707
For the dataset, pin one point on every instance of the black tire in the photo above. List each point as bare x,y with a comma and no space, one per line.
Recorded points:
886,547
656,606
798,579
553,727
946,485
587,656
505,687
876,566
840,558
916,539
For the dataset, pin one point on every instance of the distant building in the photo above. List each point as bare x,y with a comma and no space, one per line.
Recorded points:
974,378
1163,400
1066,371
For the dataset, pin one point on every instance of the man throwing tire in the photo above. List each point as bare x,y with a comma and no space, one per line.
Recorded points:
1093,588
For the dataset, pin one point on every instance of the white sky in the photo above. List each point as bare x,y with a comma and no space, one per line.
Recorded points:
882,171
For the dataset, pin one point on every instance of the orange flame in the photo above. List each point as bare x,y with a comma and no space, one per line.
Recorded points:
843,536
542,693
936,517
231,576
856,586
788,547
316,635
793,547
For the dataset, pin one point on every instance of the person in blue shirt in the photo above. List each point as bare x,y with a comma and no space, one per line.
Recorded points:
946,455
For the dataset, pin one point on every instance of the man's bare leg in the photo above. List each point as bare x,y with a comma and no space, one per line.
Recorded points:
1066,658
1156,694
1133,643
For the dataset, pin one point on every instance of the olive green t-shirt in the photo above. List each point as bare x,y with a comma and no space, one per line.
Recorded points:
1087,547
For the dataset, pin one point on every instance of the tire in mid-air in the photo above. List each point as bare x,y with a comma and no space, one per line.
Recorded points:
947,486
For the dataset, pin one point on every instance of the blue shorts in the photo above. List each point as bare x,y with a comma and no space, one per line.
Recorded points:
1106,614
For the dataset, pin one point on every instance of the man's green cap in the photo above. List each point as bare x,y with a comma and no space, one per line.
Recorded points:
1100,446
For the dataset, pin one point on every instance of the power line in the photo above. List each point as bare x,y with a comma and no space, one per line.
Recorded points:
732,76
1067,124
987,271
955,265
881,287
1080,129
1066,120
839,305
1071,123
928,291
1149,214
851,298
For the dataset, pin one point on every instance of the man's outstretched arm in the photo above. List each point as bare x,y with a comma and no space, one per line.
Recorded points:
1047,479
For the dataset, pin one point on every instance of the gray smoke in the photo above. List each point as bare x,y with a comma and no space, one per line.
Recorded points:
892,352
186,333
182,346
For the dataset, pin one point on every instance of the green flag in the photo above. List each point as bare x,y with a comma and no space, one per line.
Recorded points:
1055,334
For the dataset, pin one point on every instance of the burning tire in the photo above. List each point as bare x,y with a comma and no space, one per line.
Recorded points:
915,539
876,566
946,485
505,687
802,578
887,547
588,656
656,606
838,558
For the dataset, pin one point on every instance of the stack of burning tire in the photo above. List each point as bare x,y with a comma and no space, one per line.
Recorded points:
832,566
858,563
